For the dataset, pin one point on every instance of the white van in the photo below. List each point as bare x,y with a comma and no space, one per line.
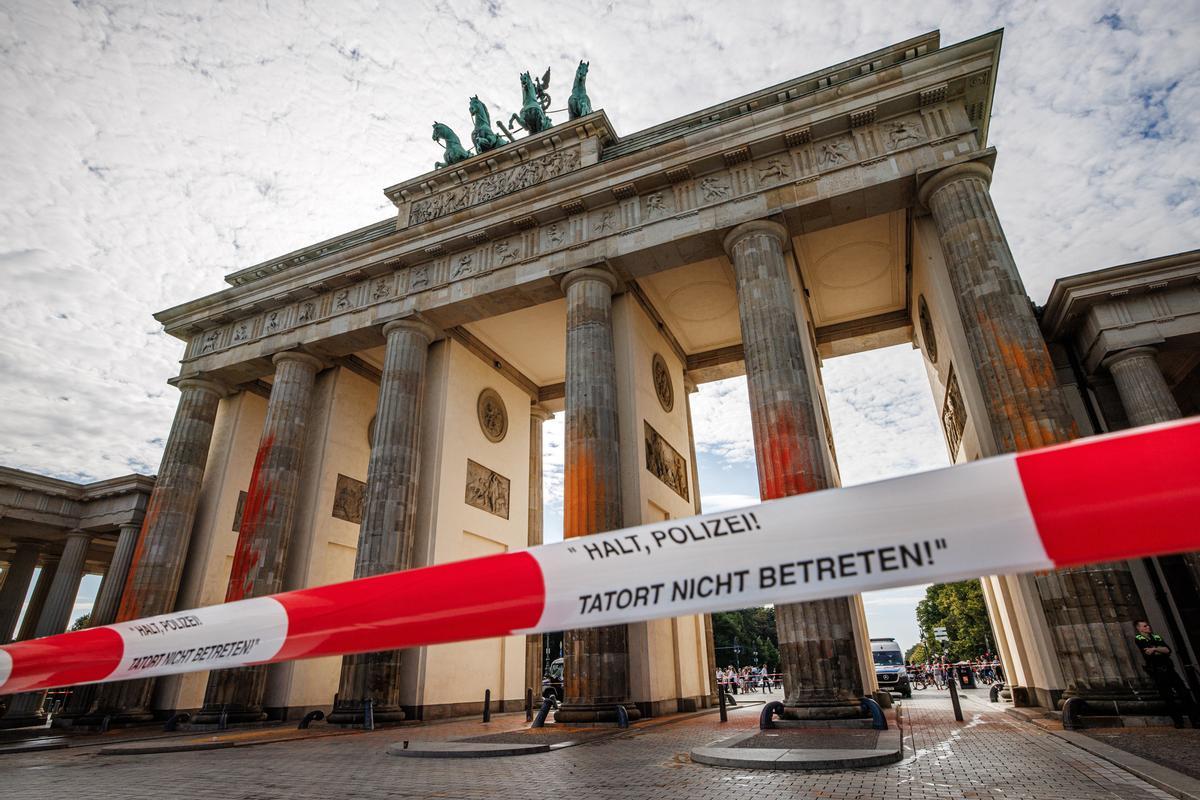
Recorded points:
890,670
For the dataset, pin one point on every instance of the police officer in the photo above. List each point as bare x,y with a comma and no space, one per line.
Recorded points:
1160,669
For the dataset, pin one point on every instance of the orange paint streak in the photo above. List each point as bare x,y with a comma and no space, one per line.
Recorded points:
258,500
584,495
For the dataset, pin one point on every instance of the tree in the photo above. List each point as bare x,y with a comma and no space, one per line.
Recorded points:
81,621
752,632
960,609
917,654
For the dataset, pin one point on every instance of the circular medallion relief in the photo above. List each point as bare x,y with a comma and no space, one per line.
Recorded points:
493,416
662,383
927,336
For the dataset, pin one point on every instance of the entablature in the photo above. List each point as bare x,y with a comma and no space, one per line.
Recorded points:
860,141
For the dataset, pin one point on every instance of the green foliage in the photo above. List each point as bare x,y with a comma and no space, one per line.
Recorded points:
81,621
917,654
753,629
959,607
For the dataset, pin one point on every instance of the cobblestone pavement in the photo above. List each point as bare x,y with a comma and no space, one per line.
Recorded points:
991,755
1177,749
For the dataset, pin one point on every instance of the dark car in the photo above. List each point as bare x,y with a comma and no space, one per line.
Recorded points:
552,682
890,670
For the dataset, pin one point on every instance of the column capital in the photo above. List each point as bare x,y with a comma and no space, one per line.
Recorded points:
417,326
540,413
976,170
600,274
764,226
79,532
202,383
298,356
1145,351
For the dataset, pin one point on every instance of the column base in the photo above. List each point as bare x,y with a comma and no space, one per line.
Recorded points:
594,714
823,710
352,714
116,718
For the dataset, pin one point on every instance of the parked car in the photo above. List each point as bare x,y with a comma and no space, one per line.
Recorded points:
552,682
889,667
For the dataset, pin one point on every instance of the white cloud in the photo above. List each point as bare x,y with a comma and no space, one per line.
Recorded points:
712,503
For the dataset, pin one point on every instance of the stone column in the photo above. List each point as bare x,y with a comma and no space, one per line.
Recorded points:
1090,610
16,586
533,642
104,610
266,530
37,602
1144,392
597,659
385,537
162,544
816,639
26,709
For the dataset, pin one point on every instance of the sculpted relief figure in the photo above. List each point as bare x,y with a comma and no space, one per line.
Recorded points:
903,132
835,152
775,169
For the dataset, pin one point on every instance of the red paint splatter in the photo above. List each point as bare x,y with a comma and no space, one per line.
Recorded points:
258,500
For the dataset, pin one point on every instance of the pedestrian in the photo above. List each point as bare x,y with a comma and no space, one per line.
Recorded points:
1157,656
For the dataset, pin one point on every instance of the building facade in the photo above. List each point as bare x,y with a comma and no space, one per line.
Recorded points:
374,402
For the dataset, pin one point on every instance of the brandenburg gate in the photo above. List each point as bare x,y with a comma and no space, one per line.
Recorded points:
374,402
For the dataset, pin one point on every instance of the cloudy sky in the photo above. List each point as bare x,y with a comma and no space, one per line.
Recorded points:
148,149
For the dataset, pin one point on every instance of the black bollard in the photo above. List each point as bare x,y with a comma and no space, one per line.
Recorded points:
622,717
487,705
173,722
766,718
309,717
724,708
548,702
954,699
223,720
528,704
369,714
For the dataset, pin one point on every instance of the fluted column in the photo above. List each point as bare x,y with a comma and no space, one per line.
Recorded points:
266,530
16,586
533,642
104,610
26,709
37,601
161,547
1090,610
816,639
385,537
1144,393
596,659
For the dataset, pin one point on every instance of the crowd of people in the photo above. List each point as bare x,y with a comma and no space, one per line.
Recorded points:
747,679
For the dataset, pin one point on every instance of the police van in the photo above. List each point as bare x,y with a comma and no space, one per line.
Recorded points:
889,667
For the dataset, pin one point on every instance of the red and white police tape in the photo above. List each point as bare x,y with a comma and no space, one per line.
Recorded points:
1106,498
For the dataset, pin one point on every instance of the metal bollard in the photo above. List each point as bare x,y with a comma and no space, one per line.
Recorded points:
548,702
878,720
1072,714
104,723
369,714
724,708
766,719
994,692
954,700
622,717
487,705
309,717
223,720
173,722
528,704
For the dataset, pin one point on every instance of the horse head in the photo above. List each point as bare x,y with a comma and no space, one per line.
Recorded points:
526,83
581,71
441,131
